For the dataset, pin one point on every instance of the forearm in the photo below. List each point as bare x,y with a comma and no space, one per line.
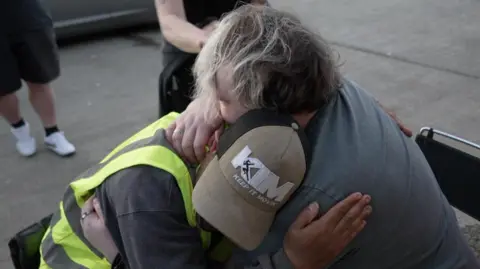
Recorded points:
179,32
183,35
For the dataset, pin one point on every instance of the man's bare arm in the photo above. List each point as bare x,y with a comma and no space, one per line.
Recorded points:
175,27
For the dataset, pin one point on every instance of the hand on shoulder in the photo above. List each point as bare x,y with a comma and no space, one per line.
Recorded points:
193,130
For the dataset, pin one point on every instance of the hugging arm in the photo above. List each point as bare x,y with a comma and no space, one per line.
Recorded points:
148,238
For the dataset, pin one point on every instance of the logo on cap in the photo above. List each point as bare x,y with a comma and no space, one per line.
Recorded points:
260,181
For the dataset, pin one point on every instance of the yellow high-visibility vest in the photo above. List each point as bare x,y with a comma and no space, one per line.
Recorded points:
65,246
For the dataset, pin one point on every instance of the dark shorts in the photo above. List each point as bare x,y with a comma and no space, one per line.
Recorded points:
31,56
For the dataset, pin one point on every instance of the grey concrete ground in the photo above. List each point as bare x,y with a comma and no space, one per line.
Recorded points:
421,58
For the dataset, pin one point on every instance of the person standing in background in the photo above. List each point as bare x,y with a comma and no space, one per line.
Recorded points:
186,26
29,52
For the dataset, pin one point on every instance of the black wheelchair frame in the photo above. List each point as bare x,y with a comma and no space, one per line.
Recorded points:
456,170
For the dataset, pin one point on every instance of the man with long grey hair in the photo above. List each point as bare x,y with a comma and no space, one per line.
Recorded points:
259,57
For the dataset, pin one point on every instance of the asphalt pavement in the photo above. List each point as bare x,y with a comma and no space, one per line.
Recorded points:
420,58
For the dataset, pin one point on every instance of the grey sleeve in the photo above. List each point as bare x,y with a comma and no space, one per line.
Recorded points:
144,211
278,260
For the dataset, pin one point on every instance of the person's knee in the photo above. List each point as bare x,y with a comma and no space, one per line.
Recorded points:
8,98
38,87
9,108
10,87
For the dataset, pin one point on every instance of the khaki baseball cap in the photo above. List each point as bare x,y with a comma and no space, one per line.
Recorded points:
259,163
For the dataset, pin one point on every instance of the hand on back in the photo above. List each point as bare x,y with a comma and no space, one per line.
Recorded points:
315,243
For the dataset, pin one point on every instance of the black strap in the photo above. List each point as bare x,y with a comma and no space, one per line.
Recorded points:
118,262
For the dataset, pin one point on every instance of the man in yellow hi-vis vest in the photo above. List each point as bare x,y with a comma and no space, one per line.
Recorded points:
145,192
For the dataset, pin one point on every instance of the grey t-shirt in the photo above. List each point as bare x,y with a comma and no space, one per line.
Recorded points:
145,213
358,147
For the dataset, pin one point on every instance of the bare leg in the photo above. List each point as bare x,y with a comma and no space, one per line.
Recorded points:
11,112
43,101
9,108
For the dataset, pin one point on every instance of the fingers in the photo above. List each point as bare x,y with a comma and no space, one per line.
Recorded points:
169,131
201,138
400,124
392,115
190,142
188,152
355,216
305,217
357,226
219,132
88,213
217,135
91,220
88,205
177,138
190,132
338,211
350,236
98,210
405,130
211,142
213,146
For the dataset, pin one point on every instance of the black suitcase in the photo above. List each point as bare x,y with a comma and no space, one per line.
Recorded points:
25,245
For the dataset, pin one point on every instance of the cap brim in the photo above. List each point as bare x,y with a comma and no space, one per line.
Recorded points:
222,207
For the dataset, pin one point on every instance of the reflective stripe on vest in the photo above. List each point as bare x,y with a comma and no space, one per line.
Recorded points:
64,245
